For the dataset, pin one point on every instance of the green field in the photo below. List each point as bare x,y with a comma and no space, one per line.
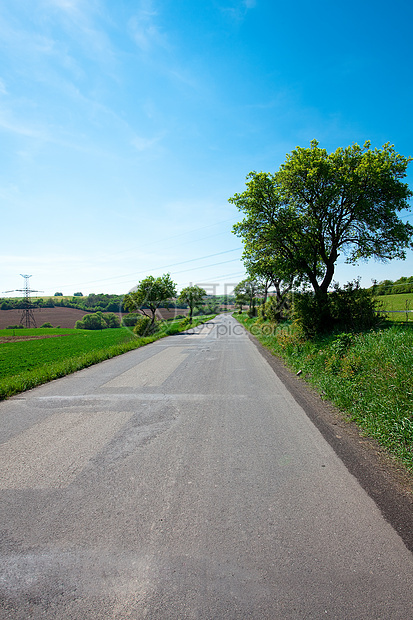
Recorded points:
396,305
27,363
27,355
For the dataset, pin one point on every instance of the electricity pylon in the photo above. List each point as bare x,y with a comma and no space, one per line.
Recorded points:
27,318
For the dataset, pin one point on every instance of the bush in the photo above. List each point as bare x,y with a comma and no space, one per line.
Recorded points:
145,327
350,308
91,321
46,325
185,323
130,320
111,320
272,309
312,314
15,326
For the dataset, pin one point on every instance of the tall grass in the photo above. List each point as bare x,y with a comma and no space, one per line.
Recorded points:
368,376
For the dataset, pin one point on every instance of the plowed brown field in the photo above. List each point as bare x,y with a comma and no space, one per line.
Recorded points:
65,317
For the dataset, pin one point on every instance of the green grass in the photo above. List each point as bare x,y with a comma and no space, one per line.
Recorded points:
28,363
397,303
368,376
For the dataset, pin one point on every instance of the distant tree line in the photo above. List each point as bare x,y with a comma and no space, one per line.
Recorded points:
102,302
388,287
93,303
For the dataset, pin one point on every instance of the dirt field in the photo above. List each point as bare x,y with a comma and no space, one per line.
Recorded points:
65,317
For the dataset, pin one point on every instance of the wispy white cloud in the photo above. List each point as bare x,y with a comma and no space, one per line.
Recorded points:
23,128
145,30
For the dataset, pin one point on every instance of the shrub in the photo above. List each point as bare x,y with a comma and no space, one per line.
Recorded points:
15,326
272,310
354,308
145,327
111,320
46,325
91,321
350,308
130,320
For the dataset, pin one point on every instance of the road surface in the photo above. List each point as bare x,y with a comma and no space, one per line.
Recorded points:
183,481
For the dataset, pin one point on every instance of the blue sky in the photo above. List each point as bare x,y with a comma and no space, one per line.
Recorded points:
126,126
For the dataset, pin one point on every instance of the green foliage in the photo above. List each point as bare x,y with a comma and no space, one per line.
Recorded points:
129,320
246,292
191,295
151,293
320,205
58,294
111,320
388,287
145,327
92,321
78,294
186,322
20,326
48,325
350,308
272,310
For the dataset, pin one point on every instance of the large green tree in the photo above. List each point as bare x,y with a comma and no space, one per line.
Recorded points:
320,205
192,295
151,293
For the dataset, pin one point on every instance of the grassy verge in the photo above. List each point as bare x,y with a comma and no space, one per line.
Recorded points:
368,376
24,364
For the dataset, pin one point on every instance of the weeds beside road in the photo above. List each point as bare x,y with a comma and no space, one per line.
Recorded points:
368,376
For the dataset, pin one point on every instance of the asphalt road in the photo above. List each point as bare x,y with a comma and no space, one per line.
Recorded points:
183,481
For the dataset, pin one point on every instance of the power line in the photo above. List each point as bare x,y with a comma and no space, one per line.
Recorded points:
136,273
187,232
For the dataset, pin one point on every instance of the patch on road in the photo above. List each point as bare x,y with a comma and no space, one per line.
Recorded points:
151,372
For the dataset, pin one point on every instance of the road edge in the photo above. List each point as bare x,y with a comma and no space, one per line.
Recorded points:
383,479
